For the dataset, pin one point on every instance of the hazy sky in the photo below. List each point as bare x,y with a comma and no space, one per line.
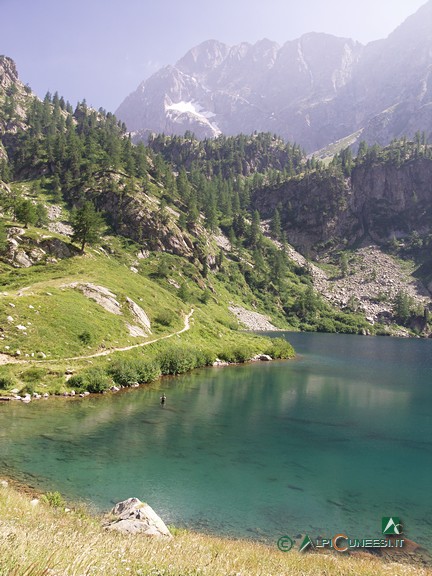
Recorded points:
102,49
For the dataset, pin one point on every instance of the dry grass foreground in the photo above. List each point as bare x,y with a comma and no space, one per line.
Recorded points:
38,540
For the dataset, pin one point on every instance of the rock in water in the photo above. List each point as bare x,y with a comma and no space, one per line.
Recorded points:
136,517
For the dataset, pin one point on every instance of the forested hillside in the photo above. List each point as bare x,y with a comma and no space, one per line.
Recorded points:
209,220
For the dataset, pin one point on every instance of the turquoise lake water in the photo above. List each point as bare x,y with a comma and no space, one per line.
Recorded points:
329,442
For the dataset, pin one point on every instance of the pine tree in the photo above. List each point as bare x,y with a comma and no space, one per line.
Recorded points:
275,225
255,229
87,224
25,212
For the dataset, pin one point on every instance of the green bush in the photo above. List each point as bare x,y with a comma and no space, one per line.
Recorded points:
92,380
164,318
54,499
96,380
85,337
280,348
29,388
147,371
237,355
176,360
77,382
326,325
7,382
33,374
124,372
205,357
127,372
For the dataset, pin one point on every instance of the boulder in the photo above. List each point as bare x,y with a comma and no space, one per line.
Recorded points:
262,358
135,517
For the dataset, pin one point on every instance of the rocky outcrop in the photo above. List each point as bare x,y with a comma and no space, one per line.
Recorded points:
135,517
100,295
140,316
136,216
23,252
379,202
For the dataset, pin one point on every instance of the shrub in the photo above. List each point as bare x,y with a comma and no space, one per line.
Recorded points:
54,499
176,360
85,337
29,388
164,318
326,325
33,374
7,382
204,357
77,382
92,380
96,380
242,353
124,372
147,371
280,348
238,355
183,292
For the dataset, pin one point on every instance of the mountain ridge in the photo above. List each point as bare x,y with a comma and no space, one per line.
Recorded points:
314,90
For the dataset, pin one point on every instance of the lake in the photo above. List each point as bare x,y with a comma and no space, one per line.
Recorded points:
329,442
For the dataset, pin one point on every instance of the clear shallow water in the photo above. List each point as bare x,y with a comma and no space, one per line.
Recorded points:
326,443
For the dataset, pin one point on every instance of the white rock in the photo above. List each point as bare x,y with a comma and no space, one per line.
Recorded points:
4,483
11,305
136,517
9,319
34,502
30,306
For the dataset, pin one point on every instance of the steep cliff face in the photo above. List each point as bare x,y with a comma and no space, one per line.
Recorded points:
13,99
379,202
393,202
137,217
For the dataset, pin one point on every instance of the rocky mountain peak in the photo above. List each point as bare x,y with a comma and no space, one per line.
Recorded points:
204,57
315,90
8,72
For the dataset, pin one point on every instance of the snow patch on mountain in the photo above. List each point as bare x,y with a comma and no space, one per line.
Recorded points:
196,110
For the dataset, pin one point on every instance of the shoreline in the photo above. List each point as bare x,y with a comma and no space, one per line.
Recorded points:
114,389
412,554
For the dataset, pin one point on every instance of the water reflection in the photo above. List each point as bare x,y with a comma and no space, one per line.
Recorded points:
327,442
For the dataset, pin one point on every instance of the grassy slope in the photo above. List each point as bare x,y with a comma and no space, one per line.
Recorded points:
55,314
37,540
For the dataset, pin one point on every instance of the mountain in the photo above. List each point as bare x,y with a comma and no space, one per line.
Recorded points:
107,240
315,90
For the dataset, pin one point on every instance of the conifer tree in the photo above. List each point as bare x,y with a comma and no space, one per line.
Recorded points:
87,224
275,225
